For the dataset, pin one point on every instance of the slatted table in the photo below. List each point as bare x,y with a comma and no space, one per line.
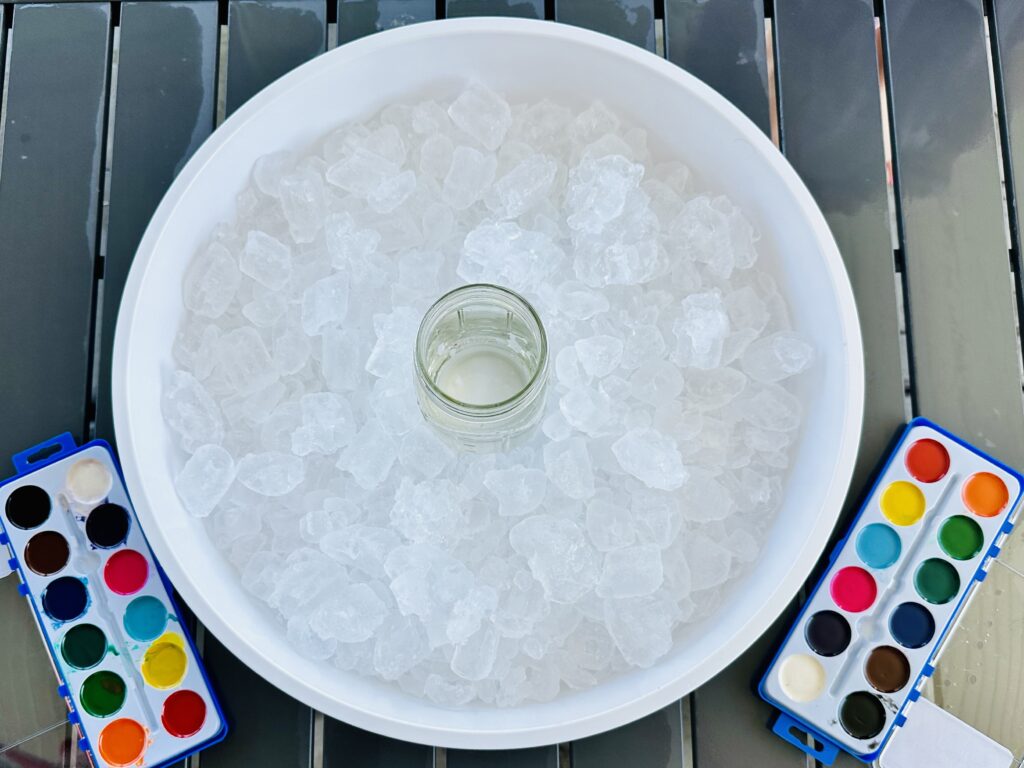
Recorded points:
105,101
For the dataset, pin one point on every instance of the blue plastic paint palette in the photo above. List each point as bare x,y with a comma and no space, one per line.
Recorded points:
131,677
870,634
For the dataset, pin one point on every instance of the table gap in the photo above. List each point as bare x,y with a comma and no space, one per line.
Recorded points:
104,217
895,209
221,80
1007,179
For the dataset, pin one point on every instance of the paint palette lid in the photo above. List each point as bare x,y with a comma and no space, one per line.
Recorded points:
933,737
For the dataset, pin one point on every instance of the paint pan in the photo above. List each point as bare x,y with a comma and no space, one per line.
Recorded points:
129,672
867,638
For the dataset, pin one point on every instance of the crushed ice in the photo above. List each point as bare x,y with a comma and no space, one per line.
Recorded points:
498,578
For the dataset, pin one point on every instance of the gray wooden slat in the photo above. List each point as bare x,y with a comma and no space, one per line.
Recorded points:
629,20
527,9
964,349
660,734
30,703
832,133
540,757
49,208
345,745
723,43
267,39
1008,25
164,109
268,727
49,202
959,293
358,18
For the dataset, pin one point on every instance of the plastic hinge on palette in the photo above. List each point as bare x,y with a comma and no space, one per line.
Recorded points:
798,734
44,453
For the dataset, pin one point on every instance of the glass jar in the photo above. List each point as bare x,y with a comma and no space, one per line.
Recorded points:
481,368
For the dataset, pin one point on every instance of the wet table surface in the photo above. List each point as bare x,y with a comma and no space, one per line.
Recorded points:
904,117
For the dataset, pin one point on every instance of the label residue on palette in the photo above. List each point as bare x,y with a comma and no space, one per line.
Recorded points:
165,663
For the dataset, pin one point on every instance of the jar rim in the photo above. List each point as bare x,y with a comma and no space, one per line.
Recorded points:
485,409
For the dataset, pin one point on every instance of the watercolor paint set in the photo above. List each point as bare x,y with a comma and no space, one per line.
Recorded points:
871,632
129,672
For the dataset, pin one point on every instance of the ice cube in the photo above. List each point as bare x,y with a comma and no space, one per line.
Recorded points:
701,330
270,473
361,547
392,192
325,303
266,260
396,338
302,201
711,389
211,282
770,407
469,613
651,457
343,358
291,349
401,645
474,658
586,409
346,242
558,555
599,355
567,368
245,362
527,184
448,693
708,560
436,156
302,638
369,457
568,466
423,451
362,173
191,412
429,512
519,490
777,357
608,524
642,344
327,424
204,479
657,383
482,114
578,301
469,175
656,516
597,191
641,627
351,615
268,170
631,572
